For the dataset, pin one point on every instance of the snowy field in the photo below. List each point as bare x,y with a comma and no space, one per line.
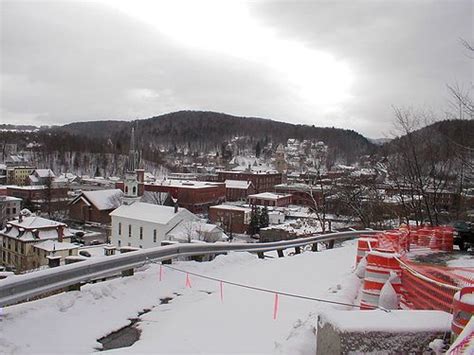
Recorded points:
195,320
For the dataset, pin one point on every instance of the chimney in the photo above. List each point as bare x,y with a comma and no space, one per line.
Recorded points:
176,207
60,233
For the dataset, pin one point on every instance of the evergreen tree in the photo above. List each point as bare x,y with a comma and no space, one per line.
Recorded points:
258,149
255,220
263,217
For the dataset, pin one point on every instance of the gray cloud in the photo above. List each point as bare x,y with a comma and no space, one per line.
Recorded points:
67,61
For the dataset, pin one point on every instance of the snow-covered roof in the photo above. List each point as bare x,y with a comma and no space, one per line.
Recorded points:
34,228
237,184
231,207
35,222
148,212
269,196
195,230
186,183
104,199
44,173
52,245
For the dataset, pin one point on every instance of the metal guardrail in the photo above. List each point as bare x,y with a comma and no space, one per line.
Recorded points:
20,288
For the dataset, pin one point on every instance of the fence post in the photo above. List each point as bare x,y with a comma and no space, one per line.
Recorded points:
260,255
331,244
280,253
314,247
297,250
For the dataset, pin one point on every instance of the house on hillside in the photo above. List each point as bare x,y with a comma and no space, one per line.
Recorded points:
144,225
95,206
23,242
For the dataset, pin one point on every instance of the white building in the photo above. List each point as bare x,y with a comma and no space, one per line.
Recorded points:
144,225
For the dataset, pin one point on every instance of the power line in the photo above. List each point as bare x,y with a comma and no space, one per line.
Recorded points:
266,290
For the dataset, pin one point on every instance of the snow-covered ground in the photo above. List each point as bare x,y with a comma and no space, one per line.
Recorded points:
195,320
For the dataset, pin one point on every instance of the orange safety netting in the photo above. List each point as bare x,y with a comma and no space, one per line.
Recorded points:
426,286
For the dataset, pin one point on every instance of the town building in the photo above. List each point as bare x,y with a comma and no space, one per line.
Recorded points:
143,225
233,219
195,196
9,209
303,194
95,206
270,199
41,198
263,181
20,236
19,175
238,190
42,177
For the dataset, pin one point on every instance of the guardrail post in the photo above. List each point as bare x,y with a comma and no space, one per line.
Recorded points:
331,244
280,253
297,250
75,287
260,255
314,247
167,261
128,272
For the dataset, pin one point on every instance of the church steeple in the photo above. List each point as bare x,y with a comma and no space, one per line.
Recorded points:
133,157
131,182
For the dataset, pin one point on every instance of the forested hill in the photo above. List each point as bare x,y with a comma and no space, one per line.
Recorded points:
445,135
201,131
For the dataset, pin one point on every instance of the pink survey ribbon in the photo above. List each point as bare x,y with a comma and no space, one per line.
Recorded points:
275,306
222,291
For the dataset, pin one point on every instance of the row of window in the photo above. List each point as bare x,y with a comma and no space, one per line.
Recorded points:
130,232
11,244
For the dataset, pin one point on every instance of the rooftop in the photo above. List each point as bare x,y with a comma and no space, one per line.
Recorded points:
185,184
231,207
269,196
148,212
52,245
237,184
104,199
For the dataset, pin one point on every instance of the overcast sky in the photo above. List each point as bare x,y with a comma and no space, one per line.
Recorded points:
327,63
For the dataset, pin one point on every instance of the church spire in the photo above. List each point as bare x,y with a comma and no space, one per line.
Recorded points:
133,159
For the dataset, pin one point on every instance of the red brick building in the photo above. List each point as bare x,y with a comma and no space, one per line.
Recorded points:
195,196
95,206
262,181
41,197
232,219
270,199
303,194
238,190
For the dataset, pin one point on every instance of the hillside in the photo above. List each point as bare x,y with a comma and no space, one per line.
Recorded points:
457,133
201,131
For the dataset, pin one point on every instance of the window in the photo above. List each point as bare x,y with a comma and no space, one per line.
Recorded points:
8,210
14,210
120,228
134,190
70,252
129,230
154,235
141,233
129,244
119,243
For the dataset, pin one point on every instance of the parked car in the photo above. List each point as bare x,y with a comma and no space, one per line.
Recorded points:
463,234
